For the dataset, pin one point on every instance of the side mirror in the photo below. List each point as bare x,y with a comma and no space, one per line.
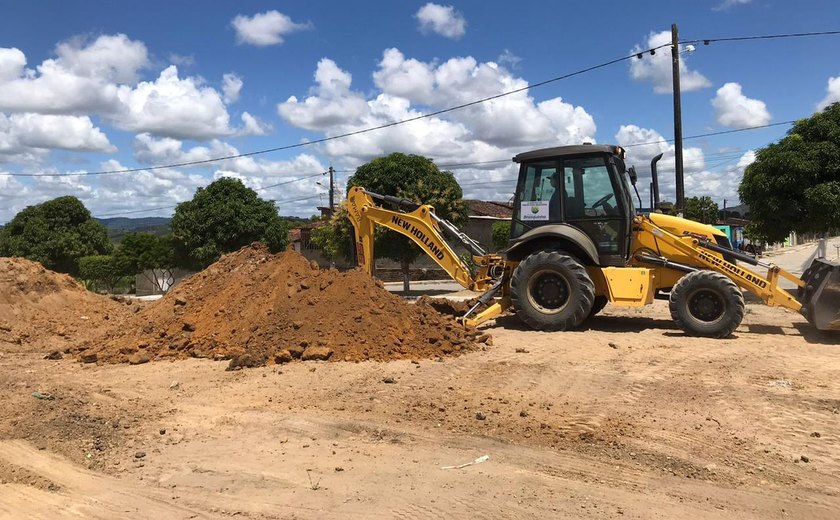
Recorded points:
632,174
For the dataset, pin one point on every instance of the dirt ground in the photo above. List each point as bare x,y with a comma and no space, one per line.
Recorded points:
627,419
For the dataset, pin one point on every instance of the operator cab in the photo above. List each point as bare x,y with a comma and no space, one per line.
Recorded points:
571,191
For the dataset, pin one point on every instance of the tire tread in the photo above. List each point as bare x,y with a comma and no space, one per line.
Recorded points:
532,317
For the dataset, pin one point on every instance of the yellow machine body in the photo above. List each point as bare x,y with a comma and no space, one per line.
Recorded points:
662,248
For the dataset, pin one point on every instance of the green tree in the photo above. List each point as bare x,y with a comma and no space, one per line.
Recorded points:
794,184
55,233
701,209
276,235
101,271
501,234
148,255
223,217
334,237
407,176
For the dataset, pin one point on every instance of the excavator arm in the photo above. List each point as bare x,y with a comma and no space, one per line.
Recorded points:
419,223
818,291
700,251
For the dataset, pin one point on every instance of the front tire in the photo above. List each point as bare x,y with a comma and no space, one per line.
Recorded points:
707,304
551,291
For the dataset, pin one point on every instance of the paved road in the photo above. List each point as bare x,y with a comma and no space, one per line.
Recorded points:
796,259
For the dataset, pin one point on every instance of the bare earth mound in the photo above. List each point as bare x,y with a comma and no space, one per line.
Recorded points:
43,309
255,308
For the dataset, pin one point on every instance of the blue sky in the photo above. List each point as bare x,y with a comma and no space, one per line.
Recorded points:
103,85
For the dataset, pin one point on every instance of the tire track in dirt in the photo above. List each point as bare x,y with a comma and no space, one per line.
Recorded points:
79,492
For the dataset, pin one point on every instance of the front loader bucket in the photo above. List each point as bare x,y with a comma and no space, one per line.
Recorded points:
820,298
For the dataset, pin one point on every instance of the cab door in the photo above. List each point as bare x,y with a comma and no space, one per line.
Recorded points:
594,203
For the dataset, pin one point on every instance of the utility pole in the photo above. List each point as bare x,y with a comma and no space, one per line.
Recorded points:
332,190
724,211
678,139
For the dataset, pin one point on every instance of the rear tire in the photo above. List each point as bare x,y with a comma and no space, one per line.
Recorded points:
550,290
598,305
707,304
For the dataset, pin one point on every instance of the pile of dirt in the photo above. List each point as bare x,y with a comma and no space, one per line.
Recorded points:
256,308
42,309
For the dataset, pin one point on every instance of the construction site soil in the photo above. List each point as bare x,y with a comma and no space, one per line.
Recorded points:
255,308
625,418
46,310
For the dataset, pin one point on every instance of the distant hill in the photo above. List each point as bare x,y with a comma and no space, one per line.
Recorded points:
118,227
133,224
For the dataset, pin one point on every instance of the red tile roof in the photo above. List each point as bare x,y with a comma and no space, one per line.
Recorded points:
489,208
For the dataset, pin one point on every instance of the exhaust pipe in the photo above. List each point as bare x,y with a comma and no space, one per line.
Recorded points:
655,180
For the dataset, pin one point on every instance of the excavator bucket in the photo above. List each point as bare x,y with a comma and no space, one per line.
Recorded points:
820,298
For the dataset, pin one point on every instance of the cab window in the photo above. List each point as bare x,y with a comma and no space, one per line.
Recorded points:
538,196
589,189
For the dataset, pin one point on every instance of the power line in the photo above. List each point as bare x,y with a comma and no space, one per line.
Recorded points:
707,41
717,162
298,199
464,166
451,165
290,181
121,213
710,134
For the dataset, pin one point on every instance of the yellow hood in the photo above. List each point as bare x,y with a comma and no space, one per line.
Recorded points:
681,226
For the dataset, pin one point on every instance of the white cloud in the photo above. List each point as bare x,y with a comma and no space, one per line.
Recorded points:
441,19
735,110
645,143
12,62
496,129
55,90
173,107
727,4
64,132
50,187
252,125
13,195
81,80
832,93
658,68
103,194
99,77
277,180
112,58
330,104
265,29
706,174
145,189
231,85
719,183
408,78
152,151
21,132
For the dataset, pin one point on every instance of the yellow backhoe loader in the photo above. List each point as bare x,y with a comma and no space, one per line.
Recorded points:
577,243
